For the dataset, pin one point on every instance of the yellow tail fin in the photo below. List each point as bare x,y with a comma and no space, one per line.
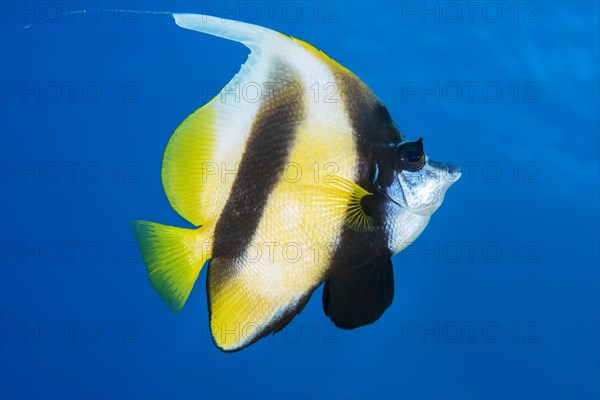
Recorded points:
173,257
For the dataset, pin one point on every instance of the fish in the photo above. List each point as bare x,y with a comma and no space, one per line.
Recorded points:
287,189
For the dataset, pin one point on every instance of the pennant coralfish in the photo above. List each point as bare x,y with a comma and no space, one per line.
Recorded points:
288,191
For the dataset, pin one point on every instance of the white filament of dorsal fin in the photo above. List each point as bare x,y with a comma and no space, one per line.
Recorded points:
253,36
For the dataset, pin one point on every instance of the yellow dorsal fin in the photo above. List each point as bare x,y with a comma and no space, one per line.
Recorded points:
186,163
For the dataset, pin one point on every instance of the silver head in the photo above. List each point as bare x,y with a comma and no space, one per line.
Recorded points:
421,183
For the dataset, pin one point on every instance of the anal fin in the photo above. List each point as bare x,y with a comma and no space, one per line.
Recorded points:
359,295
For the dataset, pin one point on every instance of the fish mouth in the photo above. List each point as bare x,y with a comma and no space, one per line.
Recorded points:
450,171
454,172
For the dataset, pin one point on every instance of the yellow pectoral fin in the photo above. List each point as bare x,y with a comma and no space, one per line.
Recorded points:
173,257
345,197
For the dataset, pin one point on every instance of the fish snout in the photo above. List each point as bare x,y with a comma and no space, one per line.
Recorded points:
450,172
454,172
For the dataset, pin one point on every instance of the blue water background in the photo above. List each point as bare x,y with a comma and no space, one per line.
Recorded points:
533,309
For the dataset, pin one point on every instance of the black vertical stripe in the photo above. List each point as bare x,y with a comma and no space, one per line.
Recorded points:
371,122
264,159
373,130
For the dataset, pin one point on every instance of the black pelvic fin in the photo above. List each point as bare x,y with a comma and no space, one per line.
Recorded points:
359,295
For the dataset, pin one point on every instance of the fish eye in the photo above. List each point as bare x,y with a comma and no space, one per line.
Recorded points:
412,156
